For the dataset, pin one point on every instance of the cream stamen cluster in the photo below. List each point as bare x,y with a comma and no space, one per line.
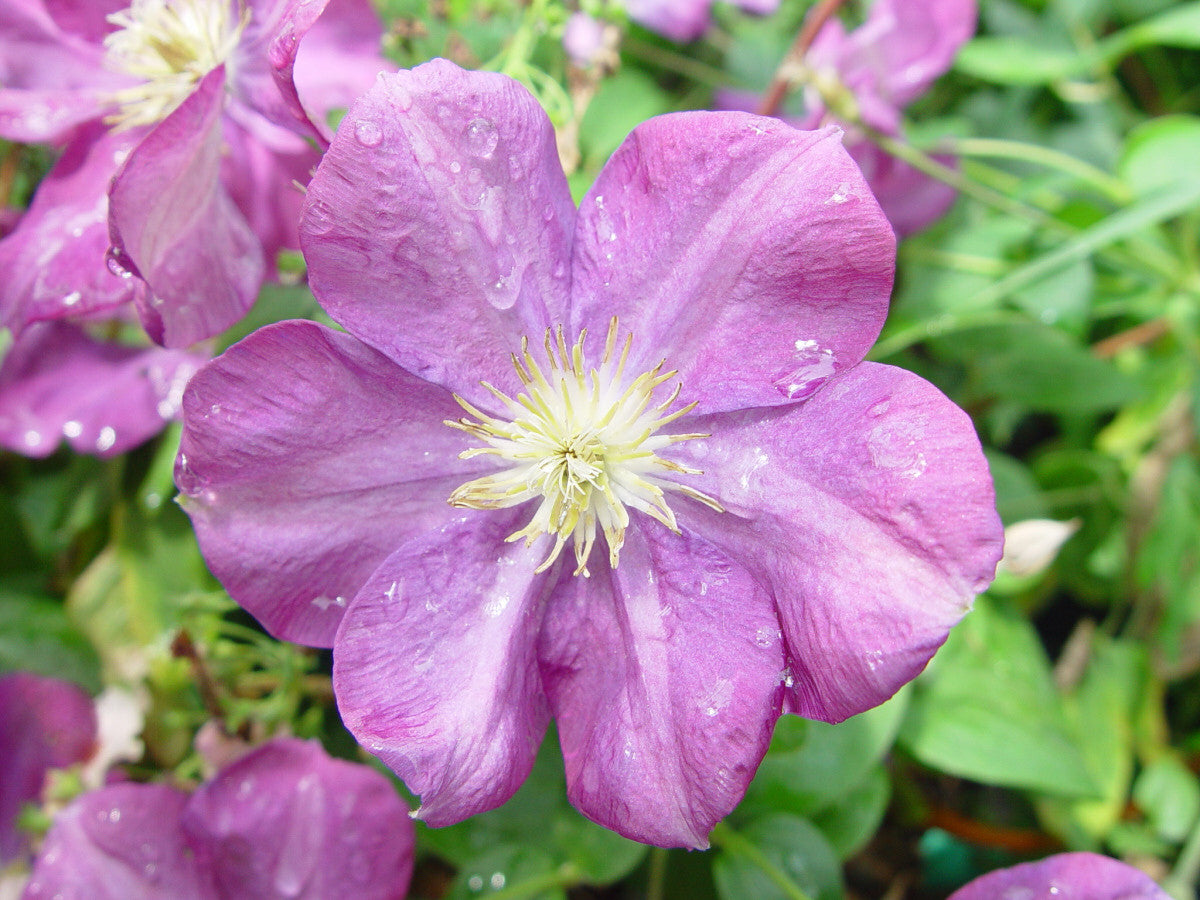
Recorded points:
582,441
168,46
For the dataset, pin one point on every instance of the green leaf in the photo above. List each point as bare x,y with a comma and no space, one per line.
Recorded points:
812,765
1167,792
1040,368
36,636
988,709
507,868
772,858
1010,60
624,100
1160,153
128,599
1101,710
853,820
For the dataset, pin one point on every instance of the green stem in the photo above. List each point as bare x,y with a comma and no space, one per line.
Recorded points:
656,880
1182,879
992,148
565,876
942,326
670,61
730,840
1148,257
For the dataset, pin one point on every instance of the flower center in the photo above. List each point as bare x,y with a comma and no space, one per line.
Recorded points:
168,45
582,441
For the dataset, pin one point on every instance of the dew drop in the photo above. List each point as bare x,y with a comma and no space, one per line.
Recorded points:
879,408
113,258
482,138
497,881
475,882
72,298
368,133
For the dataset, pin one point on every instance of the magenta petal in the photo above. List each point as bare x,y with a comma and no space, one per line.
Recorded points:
435,668
323,55
682,21
54,261
869,510
53,76
44,724
437,227
288,822
911,200
262,180
1087,876
121,842
749,254
57,383
904,45
177,228
306,459
665,681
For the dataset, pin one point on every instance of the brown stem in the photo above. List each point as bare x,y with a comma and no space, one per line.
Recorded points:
782,81
1138,335
185,648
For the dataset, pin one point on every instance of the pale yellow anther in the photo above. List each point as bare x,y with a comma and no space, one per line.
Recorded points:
581,443
168,46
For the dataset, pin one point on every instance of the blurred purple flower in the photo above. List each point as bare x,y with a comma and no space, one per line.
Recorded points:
284,821
57,382
1067,876
684,21
191,110
835,517
878,69
44,724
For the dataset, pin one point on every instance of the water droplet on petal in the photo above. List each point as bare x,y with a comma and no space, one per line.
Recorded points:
482,138
368,133
114,258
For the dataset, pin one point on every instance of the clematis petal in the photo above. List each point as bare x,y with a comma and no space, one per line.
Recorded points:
869,510
441,204
435,666
1084,875
121,842
175,227
288,822
261,179
306,459
665,681
56,382
682,21
44,724
88,20
322,54
911,199
54,260
749,254
51,70
904,45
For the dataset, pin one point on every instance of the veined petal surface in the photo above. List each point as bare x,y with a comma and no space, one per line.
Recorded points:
437,227
869,511
307,458
665,678
54,261
288,822
750,255
176,227
435,665
1066,876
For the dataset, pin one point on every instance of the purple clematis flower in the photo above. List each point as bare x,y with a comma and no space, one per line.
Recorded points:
621,465
1067,876
57,382
44,724
184,130
684,21
284,821
877,70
